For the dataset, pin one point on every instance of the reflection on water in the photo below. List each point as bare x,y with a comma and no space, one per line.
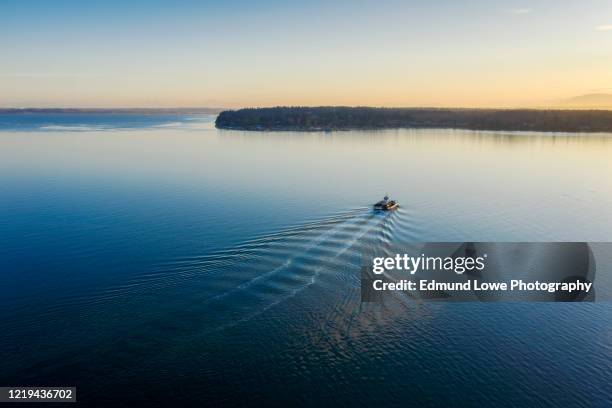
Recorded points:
226,264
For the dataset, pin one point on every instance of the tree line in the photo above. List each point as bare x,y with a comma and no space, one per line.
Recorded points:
345,118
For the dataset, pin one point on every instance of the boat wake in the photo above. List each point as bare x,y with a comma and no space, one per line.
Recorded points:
270,270
225,288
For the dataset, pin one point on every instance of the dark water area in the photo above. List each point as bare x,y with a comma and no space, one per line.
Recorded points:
160,260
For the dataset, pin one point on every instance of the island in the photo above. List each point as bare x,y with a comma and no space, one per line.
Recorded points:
328,118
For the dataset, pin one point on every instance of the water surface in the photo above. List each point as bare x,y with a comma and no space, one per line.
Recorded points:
223,266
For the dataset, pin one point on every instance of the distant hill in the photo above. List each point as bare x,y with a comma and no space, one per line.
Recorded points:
593,100
345,118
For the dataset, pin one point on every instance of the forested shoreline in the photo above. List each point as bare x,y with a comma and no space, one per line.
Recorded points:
347,118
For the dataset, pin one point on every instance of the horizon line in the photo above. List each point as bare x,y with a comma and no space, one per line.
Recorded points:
217,109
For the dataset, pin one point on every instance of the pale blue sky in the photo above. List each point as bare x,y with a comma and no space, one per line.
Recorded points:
238,53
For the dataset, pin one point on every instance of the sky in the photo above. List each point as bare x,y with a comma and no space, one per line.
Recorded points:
476,53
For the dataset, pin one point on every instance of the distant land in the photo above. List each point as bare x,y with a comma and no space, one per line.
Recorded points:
113,110
326,118
591,101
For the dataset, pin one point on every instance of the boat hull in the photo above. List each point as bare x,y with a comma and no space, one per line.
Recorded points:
386,207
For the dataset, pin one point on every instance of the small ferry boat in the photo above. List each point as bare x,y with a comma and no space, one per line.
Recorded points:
386,205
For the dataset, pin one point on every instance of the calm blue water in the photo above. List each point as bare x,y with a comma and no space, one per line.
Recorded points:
155,258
